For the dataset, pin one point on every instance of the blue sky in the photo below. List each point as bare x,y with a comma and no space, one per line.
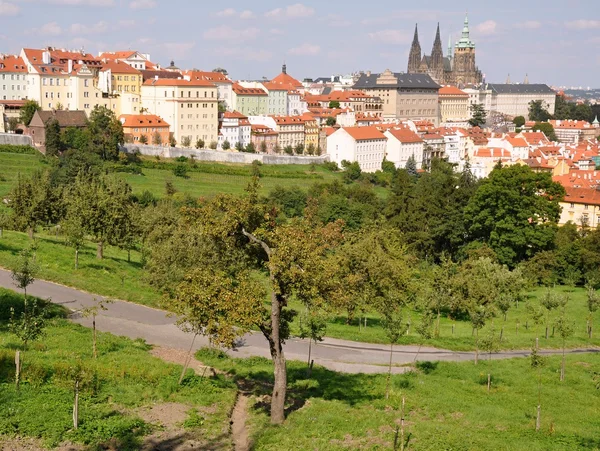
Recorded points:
554,42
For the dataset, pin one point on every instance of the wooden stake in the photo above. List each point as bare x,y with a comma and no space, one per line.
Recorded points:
76,406
187,361
402,427
538,420
489,382
17,369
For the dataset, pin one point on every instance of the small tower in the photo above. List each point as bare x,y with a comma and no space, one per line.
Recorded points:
526,81
284,68
596,124
508,80
414,58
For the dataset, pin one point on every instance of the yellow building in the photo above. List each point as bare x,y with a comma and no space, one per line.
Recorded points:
454,106
581,206
120,81
190,106
311,131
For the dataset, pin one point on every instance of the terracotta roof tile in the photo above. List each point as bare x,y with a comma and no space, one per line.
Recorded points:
364,133
142,120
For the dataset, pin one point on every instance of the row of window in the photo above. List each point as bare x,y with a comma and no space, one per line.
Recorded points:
125,88
204,105
13,87
189,94
204,127
126,78
12,77
413,112
204,116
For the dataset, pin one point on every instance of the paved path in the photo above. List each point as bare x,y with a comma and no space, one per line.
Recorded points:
158,328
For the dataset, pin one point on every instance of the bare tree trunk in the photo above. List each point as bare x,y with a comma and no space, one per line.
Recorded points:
280,370
187,360
76,407
387,385
100,250
309,350
402,427
17,369
418,351
94,352
476,346
30,232
76,259
437,325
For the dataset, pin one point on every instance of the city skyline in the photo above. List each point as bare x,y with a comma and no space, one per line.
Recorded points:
315,40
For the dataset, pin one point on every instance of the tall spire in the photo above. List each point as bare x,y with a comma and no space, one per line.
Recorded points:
414,58
284,68
465,40
508,80
450,46
438,39
437,56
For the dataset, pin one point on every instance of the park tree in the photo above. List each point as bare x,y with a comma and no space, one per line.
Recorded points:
547,129
411,166
213,145
299,149
330,121
92,312
478,115
439,291
143,139
263,147
157,139
538,111
28,110
226,145
239,147
250,148
593,304
106,133
240,234
54,144
352,171
172,140
515,212
519,121
102,205
583,112
200,143
13,124
550,301
288,150
72,228
310,149
75,138
565,328
313,325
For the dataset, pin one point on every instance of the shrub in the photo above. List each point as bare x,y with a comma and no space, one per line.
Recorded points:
427,367
8,148
180,171
331,166
213,145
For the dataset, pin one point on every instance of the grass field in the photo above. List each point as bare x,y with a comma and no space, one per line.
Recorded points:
447,406
12,164
115,277
115,389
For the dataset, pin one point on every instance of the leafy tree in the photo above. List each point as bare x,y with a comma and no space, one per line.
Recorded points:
593,304
92,312
25,271
310,149
13,124
538,111
179,170
411,166
200,144
172,140
144,139
515,211
5,221
352,171
28,111
563,110
299,149
290,201
550,301
226,145
76,138
54,145
289,150
170,188
157,139
250,148
440,291
313,325
547,129
424,329
106,133
519,121
72,227
263,147
330,121
478,115
388,167
334,104
213,145
239,146
583,112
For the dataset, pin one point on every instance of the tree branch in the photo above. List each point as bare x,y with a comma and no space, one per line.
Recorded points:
252,238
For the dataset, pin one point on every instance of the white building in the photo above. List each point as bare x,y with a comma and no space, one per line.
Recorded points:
403,143
220,80
235,129
137,60
452,141
296,104
190,106
13,78
513,99
365,145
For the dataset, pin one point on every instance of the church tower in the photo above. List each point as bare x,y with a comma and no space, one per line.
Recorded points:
436,66
414,58
465,69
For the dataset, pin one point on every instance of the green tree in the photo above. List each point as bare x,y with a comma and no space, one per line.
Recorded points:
25,271
515,212
106,133
143,139
75,138
593,304
72,228
239,146
565,328
213,145
313,325
538,111
200,144
54,145
226,145
157,139
547,129
250,148
330,121
478,115
411,166
563,110
583,112
92,312
172,140
180,170
550,302
288,150
352,171
28,111
519,121
334,104
13,124
299,149
310,149
263,147
222,107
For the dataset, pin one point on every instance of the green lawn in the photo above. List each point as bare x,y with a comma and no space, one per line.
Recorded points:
12,164
447,406
123,379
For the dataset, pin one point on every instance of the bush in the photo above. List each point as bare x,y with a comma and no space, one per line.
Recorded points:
180,171
8,148
427,367
331,166
181,159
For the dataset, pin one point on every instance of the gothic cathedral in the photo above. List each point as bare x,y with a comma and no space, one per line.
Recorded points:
457,69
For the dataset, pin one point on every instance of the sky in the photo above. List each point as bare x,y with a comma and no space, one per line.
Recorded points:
554,42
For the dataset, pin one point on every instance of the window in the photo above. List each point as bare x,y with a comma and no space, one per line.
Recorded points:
585,207
572,205
86,83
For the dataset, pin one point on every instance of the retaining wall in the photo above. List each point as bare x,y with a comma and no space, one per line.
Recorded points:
222,156
15,140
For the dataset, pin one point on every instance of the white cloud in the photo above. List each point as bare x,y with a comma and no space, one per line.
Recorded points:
336,20
228,12
82,2
487,28
298,10
142,4
8,9
305,50
583,24
245,53
100,27
227,33
529,25
247,15
49,29
178,50
390,36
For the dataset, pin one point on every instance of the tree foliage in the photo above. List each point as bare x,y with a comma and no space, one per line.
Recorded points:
106,133
478,115
28,110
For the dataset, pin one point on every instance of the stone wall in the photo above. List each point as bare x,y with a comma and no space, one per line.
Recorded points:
222,156
15,140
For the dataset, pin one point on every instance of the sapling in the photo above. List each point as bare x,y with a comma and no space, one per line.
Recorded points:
565,329
593,303
312,326
537,362
424,329
395,327
92,312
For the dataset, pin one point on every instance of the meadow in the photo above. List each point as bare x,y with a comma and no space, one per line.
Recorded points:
333,411
118,390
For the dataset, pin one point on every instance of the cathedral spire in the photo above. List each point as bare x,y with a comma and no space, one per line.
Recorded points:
450,46
438,40
414,58
437,57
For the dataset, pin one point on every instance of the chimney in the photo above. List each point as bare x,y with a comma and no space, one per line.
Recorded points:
46,57
70,66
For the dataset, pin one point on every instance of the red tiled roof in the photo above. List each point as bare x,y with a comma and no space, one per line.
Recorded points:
491,152
119,67
285,79
216,77
452,91
364,133
234,115
582,196
405,135
177,82
142,120
241,91
11,63
516,142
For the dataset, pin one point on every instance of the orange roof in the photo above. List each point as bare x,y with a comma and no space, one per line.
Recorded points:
405,135
582,196
364,133
142,120
452,91
11,63
288,120
241,91
329,130
275,86
177,82
119,67
516,142
118,55
491,152
285,79
215,77
534,137
234,115
579,125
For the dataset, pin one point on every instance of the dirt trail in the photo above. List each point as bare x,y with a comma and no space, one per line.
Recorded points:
239,417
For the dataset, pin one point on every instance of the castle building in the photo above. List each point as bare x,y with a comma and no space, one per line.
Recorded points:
456,68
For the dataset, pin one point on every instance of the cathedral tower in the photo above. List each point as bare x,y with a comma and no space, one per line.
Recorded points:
464,67
436,66
414,58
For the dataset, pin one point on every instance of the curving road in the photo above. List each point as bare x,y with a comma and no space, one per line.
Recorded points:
158,328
